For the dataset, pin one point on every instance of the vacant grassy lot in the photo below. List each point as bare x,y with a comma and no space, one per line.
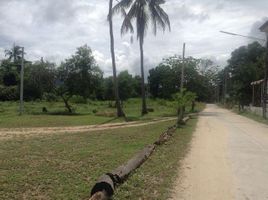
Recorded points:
66,166
92,112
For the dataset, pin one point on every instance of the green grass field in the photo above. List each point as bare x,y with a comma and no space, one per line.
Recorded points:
66,166
84,115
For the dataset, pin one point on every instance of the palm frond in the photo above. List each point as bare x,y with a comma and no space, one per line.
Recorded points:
122,4
158,15
127,25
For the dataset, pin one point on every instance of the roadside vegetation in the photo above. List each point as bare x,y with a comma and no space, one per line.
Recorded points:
246,65
155,178
92,112
251,115
66,166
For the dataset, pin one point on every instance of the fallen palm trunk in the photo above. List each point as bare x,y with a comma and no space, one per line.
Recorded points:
107,182
185,119
105,186
166,135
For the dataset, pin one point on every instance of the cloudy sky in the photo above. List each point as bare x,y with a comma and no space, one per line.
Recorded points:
54,28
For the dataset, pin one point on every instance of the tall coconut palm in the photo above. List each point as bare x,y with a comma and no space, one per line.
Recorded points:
120,112
15,53
142,12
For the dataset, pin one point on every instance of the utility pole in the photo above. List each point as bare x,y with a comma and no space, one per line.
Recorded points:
181,109
14,54
21,81
182,69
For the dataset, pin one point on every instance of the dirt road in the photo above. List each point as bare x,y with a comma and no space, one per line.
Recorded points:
228,159
8,133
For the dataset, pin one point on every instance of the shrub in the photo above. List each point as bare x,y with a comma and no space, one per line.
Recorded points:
50,97
106,114
150,109
78,99
94,111
162,102
9,93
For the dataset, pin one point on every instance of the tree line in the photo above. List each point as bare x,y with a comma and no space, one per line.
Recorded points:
246,65
80,76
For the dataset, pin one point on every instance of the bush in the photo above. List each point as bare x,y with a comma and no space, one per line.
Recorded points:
50,97
9,93
150,109
106,114
162,102
94,111
78,99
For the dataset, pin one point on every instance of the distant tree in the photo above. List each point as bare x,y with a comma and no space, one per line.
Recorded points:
200,77
15,53
137,86
39,78
79,75
108,88
129,86
8,73
142,11
184,98
126,85
245,66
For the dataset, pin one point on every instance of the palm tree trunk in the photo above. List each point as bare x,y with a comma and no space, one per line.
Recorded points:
120,112
144,107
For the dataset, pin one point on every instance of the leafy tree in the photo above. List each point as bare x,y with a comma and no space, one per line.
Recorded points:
120,112
245,66
184,98
8,73
8,93
137,86
39,78
126,85
164,80
79,75
108,88
142,11
129,86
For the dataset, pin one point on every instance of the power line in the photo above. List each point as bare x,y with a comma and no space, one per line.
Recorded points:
245,36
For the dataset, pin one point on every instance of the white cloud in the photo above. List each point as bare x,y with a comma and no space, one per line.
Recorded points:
53,29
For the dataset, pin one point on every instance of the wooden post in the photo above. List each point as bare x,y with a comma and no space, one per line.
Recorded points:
181,110
253,95
182,69
21,81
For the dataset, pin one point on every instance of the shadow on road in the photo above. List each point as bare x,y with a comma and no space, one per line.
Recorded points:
208,114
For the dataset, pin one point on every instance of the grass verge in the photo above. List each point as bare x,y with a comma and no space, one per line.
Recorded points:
253,116
66,166
155,178
92,112
247,114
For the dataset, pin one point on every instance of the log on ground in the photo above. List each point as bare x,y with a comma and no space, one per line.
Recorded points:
109,181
